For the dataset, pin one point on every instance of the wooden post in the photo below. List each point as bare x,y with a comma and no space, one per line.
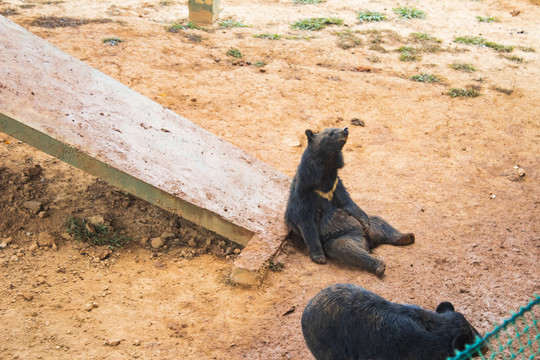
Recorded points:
203,11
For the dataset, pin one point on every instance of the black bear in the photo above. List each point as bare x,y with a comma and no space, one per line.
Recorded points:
322,212
345,321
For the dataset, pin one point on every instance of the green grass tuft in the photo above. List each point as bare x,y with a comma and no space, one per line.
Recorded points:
527,49
176,27
234,53
426,78
486,19
470,40
472,93
370,15
514,58
409,13
112,41
259,63
476,40
347,39
316,23
226,24
463,67
79,229
267,36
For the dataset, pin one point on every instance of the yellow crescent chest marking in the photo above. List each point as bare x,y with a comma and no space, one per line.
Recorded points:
330,194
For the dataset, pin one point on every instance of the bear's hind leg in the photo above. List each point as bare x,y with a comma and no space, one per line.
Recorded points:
351,252
381,232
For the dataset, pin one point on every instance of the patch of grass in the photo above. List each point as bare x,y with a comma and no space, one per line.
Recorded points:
527,49
463,67
377,47
476,40
369,15
166,2
408,53
112,41
52,22
487,19
514,58
347,39
267,36
259,63
409,13
502,90
307,2
177,27
472,93
298,37
276,266
96,234
316,23
226,24
405,56
193,37
421,36
426,78
470,40
499,47
431,48
234,53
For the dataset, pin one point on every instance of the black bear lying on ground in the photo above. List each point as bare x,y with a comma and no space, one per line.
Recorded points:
346,321
321,210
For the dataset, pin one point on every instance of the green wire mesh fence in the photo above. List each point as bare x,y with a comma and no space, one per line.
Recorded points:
516,338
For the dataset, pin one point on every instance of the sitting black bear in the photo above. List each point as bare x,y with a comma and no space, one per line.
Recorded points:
321,210
346,321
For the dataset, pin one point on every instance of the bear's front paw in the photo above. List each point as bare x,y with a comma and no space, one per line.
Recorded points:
380,270
319,259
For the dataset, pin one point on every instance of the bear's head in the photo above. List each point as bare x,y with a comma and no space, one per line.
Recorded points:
465,333
329,142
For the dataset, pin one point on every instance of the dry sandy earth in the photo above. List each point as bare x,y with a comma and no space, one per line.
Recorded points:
442,167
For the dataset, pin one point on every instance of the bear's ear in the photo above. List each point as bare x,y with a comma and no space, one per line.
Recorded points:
444,307
309,135
460,342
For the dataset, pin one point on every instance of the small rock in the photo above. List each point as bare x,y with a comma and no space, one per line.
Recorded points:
33,171
137,342
43,214
33,206
14,258
24,179
292,142
33,247
46,239
237,251
208,242
97,219
90,227
144,241
521,172
114,342
28,296
95,305
3,245
167,236
157,242
228,250
102,252
192,243
357,122
89,307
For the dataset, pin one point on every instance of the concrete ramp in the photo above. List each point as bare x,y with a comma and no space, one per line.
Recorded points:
70,110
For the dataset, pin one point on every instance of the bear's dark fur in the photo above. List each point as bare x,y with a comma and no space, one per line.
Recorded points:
346,321
321,210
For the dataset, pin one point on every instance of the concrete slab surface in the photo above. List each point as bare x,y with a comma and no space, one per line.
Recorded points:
70,110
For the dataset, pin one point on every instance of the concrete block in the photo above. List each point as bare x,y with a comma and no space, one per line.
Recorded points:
203,11
66,108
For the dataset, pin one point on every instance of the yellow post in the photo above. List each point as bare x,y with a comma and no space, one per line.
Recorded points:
203,11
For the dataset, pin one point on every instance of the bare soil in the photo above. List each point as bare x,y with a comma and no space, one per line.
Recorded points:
461,173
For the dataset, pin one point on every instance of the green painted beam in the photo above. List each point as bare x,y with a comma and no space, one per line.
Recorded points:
124,181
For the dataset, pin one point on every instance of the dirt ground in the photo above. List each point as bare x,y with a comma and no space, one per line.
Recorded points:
461,173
